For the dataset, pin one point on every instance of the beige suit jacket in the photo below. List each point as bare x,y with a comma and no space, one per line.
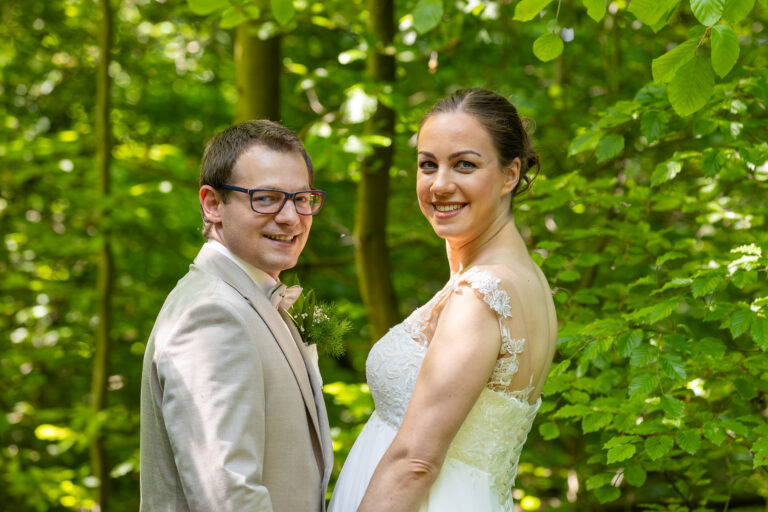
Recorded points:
232,415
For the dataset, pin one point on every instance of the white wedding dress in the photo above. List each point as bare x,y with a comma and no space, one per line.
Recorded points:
481,463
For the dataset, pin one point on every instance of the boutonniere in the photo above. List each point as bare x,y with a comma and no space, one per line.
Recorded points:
320,324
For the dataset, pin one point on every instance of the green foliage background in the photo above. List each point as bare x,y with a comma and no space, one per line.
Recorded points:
648,219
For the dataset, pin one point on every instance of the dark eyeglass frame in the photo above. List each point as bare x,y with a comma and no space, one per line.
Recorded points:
286,197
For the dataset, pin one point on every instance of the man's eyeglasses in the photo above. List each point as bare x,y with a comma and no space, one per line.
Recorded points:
269,201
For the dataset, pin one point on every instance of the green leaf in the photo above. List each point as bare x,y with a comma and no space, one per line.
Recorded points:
665,66
599,480
609,147
712,161
595,421
704,285
746,388
233,17
629,341
743,278
737,10
759,333
549,431
568,276
725,49
673,366
650,12
570,411
658,446
708,12
620,453
691,87
282,10
586,141
547,46
642,355
206,6
526,10
760,450
643,384
689,440
665,171
673,407
595,9
635,475
711,347
606,494
714,432
654,124
739,322
427,15
667,256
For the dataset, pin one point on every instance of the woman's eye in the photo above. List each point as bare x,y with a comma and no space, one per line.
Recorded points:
427,166
465,164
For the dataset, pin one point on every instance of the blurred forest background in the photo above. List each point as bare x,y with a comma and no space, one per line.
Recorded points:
649,219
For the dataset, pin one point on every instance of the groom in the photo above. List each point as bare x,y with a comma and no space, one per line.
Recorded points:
232,412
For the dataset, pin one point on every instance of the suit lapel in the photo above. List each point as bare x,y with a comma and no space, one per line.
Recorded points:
323,430
213,262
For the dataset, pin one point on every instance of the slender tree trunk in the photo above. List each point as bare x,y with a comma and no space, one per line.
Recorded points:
257,73
371,251
100,467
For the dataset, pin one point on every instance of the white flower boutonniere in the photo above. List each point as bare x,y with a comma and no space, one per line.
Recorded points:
320,324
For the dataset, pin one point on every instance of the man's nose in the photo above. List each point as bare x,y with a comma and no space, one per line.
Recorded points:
288,213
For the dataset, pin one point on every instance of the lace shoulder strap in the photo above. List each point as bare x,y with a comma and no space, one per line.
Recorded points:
487,285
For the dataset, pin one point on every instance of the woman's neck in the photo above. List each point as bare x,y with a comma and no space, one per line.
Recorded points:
498,241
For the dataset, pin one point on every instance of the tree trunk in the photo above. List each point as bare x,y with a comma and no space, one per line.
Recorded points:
257,74
100,467
371,251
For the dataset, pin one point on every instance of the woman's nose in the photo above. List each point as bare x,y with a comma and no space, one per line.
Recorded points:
443,183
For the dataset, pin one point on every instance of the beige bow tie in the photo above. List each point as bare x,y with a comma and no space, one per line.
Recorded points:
283,296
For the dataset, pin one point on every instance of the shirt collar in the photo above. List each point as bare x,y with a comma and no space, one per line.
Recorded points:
261,278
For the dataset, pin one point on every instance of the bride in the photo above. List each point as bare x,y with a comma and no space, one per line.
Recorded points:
457,384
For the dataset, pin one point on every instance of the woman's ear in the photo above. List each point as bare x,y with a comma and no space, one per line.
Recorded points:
511,176
210,202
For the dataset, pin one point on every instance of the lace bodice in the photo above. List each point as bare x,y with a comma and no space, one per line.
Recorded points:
492,436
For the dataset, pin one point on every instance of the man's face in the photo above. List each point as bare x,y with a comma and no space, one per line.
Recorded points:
271,243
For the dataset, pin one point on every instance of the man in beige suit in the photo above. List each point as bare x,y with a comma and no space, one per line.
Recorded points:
232,412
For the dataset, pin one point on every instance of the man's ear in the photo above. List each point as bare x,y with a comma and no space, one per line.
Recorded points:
511,176
210,202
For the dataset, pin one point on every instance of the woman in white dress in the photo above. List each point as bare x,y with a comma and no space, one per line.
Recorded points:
457,384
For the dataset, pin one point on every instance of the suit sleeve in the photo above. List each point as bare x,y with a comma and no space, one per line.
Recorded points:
213,406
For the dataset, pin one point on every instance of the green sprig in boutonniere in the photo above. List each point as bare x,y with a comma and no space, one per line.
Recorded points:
320,324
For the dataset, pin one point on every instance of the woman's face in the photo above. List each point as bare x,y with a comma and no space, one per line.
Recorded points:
462,189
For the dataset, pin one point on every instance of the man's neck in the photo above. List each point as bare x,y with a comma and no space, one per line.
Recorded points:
261,278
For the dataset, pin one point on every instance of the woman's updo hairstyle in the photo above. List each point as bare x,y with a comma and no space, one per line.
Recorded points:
503,123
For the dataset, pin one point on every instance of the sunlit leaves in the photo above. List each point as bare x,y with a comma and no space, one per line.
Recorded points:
526,10
207,6
665,66
427,15
599,480
595,9
642,383
548,46
759,333
708,12
620,453
665,171
651,12
737,10
715,432
673,407
609,147
654,124
549,431
595,421
725,49
760,451
739,322
688,440
282,10
657,446
691,87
